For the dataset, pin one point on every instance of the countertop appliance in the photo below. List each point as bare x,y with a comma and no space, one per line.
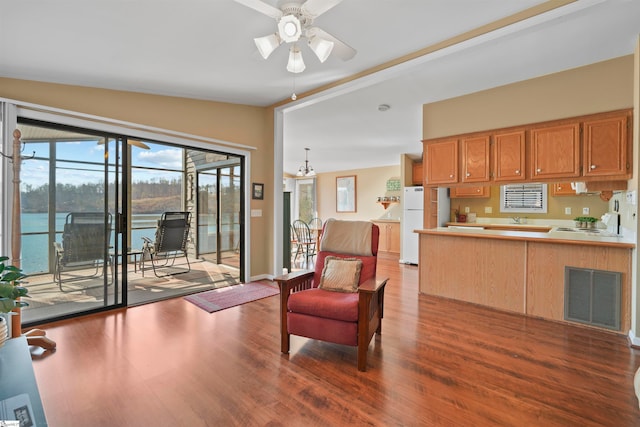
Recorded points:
413,219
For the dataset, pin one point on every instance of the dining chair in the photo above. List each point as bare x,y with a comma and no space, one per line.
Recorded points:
306,242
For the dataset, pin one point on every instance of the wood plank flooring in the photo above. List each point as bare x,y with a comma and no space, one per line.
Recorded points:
437,363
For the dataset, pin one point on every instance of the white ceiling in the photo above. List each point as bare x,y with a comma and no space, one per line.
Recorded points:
204,50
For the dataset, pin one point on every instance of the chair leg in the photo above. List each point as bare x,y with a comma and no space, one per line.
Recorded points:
362,357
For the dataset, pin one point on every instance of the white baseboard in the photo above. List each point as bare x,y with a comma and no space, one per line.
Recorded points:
262,277
633,340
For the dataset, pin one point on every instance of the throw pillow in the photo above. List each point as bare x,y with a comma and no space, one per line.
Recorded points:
340,274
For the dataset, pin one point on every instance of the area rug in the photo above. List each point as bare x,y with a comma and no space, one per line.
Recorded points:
231,296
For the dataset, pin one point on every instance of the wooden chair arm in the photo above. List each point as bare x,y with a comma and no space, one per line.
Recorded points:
295,281
372,285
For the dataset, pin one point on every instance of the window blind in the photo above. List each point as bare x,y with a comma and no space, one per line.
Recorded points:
530,197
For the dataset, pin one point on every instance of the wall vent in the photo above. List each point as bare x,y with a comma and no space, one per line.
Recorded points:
592,297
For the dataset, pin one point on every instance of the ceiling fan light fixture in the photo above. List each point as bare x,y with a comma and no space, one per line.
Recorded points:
267,44
321,47
296,63
289,28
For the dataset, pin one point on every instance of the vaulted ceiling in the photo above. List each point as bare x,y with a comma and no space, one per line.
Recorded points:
204,50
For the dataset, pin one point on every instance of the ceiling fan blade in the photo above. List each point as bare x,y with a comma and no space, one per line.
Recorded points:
318,7
340,48
262,7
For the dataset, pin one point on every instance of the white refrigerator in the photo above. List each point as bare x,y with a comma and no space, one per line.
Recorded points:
413,219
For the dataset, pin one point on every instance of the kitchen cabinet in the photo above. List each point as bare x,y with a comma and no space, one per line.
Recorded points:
470,192
590,148
441,161
555,151
417,172
563,189
389,241
475,159
509,156
605,147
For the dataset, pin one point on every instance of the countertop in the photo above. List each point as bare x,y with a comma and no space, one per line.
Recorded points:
385,220
551,236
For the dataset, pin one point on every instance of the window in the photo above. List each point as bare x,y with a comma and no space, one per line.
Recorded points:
523,198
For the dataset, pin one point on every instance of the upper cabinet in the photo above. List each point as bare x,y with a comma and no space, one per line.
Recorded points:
475,159
417,173
441,160
605,147
509,156
587,148
555,151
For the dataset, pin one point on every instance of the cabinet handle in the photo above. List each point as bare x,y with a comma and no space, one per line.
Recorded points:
451,176
517,171
468,174
593,166
538,170
478,190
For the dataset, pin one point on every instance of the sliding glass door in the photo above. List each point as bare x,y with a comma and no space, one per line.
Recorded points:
70,202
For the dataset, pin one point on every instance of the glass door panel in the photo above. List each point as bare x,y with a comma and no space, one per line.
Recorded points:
68,212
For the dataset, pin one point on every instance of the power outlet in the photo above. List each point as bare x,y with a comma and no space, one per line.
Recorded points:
488,209
466,209
567,211
585,211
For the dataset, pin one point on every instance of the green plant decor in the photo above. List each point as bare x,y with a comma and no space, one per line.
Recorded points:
10,289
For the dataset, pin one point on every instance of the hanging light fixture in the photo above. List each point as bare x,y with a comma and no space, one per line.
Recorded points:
296,63
267,44
306,170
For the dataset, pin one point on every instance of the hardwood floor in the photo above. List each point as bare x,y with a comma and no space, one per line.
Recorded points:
437,363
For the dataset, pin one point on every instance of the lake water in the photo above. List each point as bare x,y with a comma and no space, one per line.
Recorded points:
36,247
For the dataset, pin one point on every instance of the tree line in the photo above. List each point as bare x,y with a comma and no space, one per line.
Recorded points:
149,196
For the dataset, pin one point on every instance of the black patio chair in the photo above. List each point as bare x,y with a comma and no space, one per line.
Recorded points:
85,244
172,235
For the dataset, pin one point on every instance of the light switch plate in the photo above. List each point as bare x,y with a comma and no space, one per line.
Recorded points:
585,211
488,209
567,211
256,212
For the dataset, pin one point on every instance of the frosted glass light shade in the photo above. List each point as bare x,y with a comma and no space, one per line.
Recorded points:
267,44
321,47
296,63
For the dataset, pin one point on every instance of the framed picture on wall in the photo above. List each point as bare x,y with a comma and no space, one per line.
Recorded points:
257,192
346,194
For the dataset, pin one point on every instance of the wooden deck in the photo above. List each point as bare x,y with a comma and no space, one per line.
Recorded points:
437,363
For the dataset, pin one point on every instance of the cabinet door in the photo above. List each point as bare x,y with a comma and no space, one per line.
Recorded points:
383,239
470,192
475,159
394,238
509,156
563,189
605,147
555,151
441,161
417,173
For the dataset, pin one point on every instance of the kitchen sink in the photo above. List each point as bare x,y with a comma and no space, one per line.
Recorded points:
581,230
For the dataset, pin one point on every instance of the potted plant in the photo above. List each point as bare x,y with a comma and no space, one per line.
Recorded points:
10,292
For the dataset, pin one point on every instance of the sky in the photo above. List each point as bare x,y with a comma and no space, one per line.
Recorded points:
35,172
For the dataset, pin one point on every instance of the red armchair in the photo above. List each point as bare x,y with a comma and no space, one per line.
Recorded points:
348,318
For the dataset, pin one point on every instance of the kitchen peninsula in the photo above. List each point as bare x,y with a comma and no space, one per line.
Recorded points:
519,271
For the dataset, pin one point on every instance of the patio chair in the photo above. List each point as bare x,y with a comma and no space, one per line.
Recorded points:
342,300
84,246
170,242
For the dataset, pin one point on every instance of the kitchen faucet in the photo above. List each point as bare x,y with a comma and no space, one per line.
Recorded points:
516,219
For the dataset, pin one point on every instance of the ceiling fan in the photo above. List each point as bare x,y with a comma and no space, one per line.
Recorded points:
294,22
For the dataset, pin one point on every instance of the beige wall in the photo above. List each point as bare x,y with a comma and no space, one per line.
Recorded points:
371,183
241,124
555,210
604,86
